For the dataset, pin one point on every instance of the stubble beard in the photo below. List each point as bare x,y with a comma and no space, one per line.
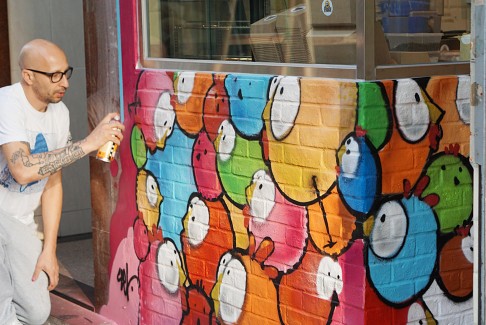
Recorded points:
45,97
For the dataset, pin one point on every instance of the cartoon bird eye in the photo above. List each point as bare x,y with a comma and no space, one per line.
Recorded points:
198,225
232,292
164,116
416,314
443,167
350,161
263,199
168,264
227,140
285,107
460,169
467,245
223,262
412,112
389,230
329,278
152,187
185,85
273,86
463,101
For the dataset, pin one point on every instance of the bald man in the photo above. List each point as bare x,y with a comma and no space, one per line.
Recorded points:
35,144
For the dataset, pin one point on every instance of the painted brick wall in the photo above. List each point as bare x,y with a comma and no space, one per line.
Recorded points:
255,199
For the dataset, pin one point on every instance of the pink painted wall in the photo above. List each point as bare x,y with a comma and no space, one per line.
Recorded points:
280,200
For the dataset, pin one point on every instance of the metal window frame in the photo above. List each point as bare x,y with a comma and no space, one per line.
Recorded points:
478,155
365,68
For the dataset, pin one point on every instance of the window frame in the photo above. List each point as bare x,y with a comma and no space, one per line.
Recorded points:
364,69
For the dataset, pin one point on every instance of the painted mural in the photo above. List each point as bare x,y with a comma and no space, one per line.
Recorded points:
255,199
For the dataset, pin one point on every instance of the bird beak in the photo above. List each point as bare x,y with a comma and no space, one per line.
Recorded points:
340,154
215,296
368,226
434,111
161,142
185,219
249,192
216,142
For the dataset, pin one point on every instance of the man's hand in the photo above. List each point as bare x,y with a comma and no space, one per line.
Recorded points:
47,262
107,130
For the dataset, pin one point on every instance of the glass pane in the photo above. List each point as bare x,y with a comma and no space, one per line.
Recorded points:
288,31
426,31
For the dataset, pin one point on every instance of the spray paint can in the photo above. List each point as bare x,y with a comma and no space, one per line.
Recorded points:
107,152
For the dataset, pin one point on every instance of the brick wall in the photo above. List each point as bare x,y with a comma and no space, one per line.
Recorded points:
255,199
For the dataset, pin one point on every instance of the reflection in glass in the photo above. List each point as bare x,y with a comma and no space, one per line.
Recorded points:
425,31
291,31
305,31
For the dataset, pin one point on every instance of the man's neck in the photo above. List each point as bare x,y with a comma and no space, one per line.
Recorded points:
32,98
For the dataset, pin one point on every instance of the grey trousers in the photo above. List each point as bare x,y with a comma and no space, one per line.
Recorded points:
21,299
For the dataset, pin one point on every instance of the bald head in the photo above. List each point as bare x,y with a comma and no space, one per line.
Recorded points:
39,59
41,54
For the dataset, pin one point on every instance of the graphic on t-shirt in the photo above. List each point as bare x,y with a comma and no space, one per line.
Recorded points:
7,181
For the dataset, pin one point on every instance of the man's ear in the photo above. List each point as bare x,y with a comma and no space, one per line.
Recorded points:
27,76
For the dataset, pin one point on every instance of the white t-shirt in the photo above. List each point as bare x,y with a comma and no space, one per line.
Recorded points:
44,131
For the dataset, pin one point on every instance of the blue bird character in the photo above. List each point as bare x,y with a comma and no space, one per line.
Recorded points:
402,248
358,168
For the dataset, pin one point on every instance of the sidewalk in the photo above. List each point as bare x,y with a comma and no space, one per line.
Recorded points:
72,299
71,305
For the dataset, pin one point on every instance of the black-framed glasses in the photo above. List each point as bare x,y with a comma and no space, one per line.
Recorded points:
55,76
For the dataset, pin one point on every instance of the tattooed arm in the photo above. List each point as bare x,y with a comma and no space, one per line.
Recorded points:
26,167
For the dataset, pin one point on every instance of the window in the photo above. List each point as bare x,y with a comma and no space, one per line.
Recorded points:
328,38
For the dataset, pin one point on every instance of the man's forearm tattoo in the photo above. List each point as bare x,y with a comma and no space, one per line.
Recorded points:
50,162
